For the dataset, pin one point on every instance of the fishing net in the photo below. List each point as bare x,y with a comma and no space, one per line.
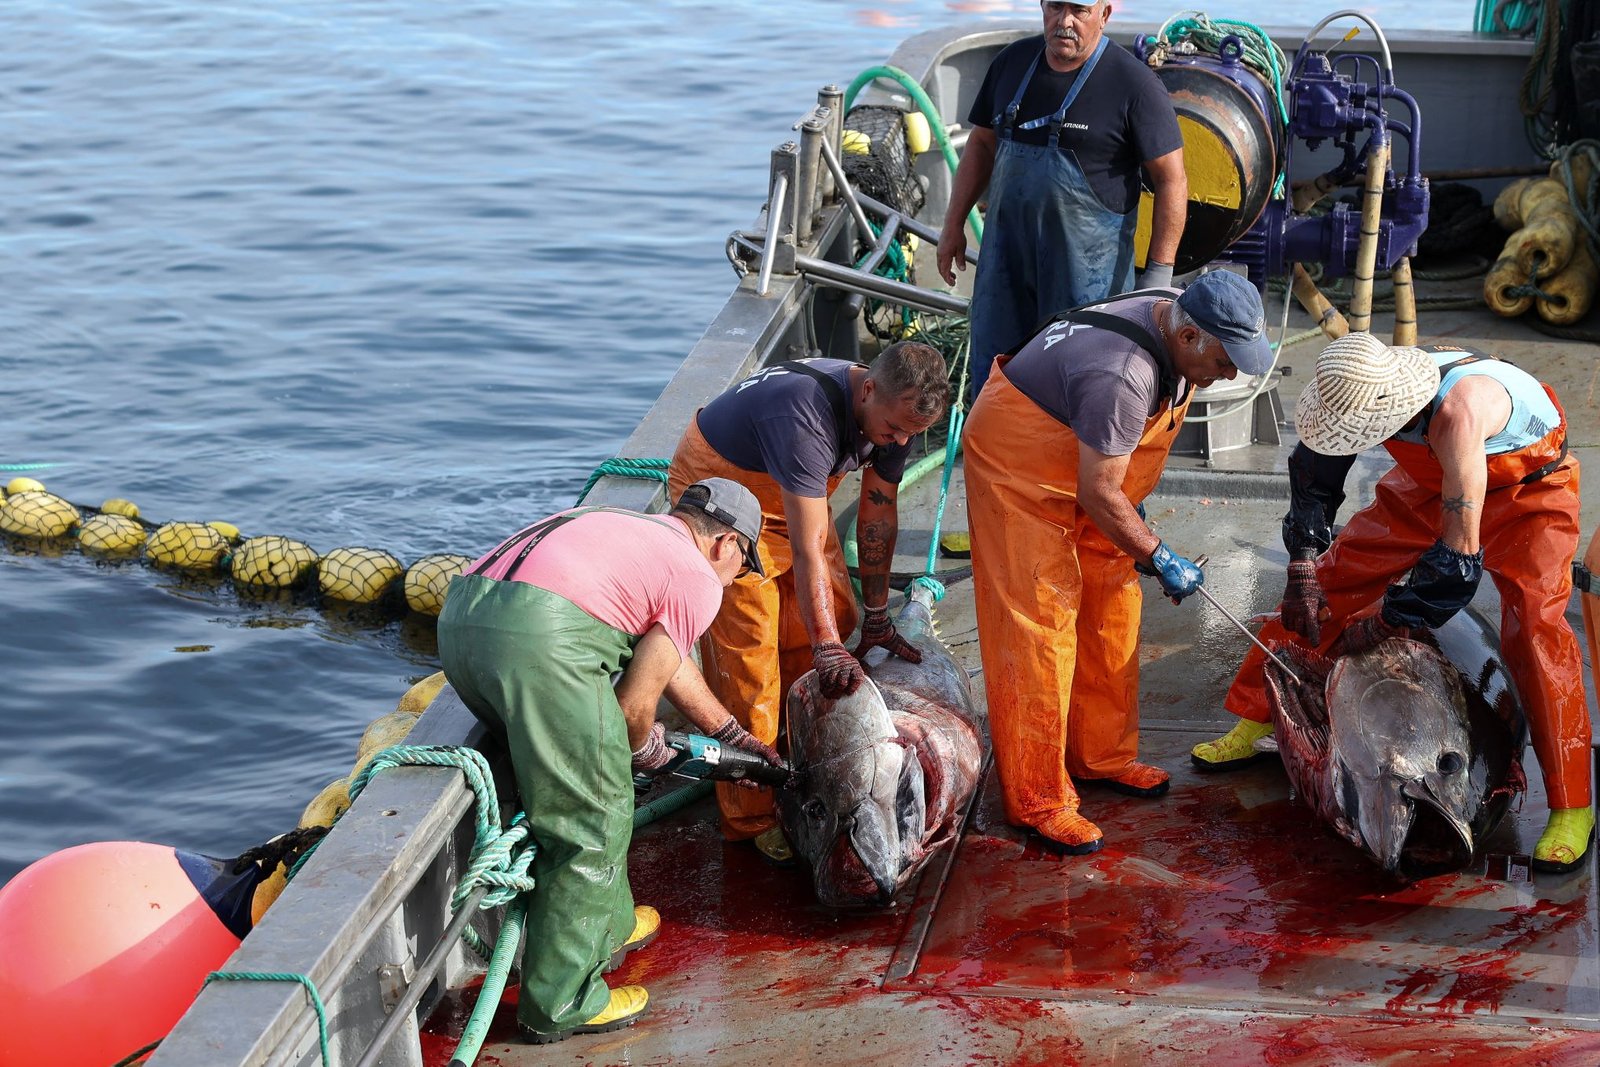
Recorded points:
877,160
111,535
273,562
37,514
189,546
358,575
429,578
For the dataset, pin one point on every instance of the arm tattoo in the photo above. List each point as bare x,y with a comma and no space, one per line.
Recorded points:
1456,504
879,497
874,545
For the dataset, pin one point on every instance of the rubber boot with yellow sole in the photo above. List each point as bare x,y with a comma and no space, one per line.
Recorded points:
627,1005
1234,749
1565,842
646,925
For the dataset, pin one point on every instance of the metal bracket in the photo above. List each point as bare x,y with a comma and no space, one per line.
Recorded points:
393,981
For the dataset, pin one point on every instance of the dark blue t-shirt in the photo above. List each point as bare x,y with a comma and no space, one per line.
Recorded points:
1122,117
781,423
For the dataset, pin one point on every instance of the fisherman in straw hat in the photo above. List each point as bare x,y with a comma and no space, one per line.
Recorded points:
1482,481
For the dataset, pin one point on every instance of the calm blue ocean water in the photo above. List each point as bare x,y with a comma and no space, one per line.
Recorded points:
384,272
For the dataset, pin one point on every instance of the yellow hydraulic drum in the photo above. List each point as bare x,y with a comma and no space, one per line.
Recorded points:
1230,153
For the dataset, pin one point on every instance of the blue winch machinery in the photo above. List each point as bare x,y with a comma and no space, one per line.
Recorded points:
1251,127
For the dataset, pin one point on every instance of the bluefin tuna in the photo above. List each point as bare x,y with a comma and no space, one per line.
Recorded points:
884,775
1411,751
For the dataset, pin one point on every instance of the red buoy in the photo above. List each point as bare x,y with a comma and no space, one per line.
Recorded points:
103,947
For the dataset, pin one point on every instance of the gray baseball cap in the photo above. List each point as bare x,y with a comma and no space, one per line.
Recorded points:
731,503
1228,307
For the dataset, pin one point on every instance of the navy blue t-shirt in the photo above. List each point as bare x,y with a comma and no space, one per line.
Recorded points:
781,423
1122,117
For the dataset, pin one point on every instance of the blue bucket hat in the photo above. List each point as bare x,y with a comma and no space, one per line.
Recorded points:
1228,307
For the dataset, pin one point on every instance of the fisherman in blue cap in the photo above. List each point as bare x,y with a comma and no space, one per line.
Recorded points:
1068,436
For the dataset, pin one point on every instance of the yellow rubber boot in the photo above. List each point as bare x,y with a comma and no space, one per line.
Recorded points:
1565,841
646,925
627,1005
775,847
1234,749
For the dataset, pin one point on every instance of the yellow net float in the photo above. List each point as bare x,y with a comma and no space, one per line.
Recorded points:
189,546
855,142
418,697
111,535
21,484
118,506
272,562
358,575
36,513
327,805
429,578
386,730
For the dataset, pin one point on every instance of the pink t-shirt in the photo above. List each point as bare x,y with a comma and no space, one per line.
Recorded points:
628,570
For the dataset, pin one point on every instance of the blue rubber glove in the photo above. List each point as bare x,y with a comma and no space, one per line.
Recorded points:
1179,577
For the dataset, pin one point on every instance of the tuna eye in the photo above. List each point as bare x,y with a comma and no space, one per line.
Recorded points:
815,809
1451,763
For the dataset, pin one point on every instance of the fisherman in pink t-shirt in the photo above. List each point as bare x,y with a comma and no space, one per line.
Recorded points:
530,638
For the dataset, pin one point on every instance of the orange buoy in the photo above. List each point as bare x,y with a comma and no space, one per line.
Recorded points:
106,945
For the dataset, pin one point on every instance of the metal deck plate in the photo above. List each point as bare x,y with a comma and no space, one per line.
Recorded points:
1226,894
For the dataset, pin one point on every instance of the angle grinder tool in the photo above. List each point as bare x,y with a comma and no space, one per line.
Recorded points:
695,756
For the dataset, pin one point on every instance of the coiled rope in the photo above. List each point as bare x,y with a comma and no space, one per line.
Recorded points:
500,855
1257,51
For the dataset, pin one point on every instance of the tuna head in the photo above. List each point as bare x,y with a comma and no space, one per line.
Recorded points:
855,812
1381,746
1401,757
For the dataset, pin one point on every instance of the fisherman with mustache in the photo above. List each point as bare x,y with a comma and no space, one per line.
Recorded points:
1482,481
1059,130
789,433
562,641
1068,437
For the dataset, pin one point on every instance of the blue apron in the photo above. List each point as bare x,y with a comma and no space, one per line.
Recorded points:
1049,244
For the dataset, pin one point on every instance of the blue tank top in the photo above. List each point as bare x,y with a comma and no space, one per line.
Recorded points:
1532,413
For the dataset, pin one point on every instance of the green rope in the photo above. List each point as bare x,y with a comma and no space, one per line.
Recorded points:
1258,51
653,470
12,468
275,976
952,445
500,857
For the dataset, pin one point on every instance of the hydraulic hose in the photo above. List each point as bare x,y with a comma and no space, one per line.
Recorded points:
929,111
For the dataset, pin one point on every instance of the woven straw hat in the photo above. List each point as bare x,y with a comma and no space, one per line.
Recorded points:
1364,392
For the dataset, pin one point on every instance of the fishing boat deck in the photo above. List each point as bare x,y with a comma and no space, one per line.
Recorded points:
1220,921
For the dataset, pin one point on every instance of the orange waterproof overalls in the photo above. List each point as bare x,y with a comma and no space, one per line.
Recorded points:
758,644
1529,533
1058,605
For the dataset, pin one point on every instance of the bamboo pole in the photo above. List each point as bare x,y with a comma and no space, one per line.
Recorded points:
1367,250
1405,304
1328,318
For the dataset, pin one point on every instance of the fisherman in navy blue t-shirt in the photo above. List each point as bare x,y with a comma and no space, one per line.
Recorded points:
789,433
1060,129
